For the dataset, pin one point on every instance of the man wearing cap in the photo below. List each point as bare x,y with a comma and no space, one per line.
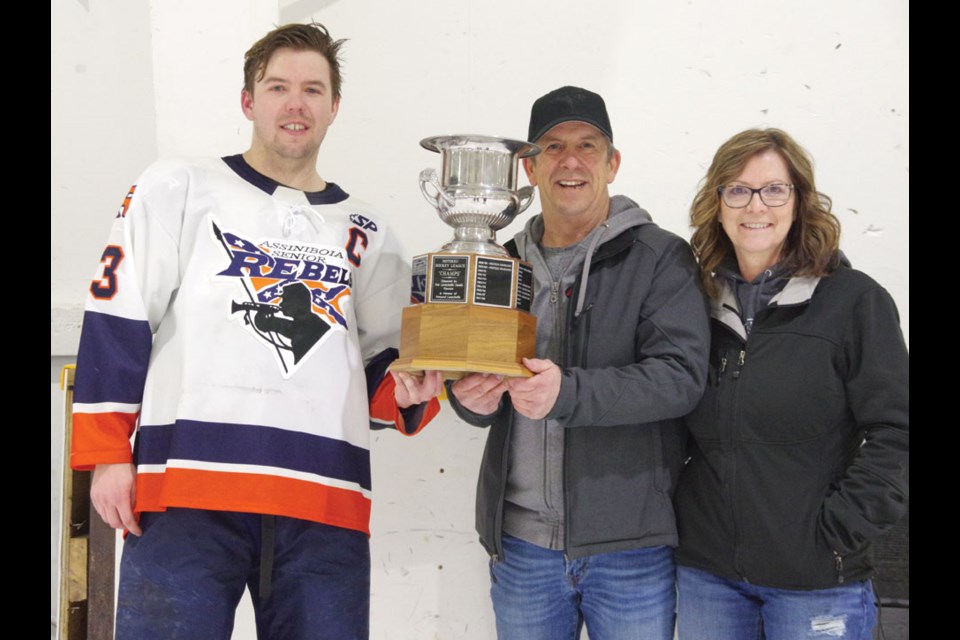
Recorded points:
574,495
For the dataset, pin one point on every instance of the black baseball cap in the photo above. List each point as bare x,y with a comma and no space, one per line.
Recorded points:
566,104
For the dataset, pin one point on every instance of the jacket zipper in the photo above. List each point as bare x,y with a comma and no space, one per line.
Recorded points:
740,360
735,375
838,563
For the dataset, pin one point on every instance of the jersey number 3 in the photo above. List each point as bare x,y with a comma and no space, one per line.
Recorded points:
106,286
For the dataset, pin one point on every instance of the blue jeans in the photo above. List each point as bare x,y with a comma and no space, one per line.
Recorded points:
624,595
183,578
714,608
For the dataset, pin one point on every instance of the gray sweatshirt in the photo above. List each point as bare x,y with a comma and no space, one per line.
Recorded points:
533,510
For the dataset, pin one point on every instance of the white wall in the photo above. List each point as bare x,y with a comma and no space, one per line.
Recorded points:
134,80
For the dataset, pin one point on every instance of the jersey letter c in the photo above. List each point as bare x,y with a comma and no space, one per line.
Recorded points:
356,236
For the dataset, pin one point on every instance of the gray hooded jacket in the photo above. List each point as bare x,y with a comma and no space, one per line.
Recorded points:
634,344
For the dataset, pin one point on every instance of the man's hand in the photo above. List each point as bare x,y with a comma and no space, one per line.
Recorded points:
113,494
479,392
410,389
534,397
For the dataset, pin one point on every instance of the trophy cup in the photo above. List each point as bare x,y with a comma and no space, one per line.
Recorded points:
473,299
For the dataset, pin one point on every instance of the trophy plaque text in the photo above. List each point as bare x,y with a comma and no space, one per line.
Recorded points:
473,298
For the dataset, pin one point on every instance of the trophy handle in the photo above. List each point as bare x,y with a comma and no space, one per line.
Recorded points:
439,199
526,198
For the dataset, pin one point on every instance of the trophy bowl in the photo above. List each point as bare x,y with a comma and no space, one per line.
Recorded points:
476,192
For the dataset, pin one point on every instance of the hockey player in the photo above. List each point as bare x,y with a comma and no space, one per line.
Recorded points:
241,324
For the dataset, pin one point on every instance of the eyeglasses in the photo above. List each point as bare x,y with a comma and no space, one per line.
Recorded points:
737,196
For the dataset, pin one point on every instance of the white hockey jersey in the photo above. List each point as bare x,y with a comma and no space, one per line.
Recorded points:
243,329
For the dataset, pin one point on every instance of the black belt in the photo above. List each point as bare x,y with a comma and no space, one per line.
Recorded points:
267,533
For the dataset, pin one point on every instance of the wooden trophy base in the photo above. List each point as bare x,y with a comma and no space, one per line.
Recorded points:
463,338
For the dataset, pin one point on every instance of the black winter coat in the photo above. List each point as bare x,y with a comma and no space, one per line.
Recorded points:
799,453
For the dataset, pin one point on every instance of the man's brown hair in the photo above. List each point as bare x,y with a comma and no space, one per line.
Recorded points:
298,37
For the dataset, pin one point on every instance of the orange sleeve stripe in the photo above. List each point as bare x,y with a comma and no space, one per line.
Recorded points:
383,406
253,493
101,438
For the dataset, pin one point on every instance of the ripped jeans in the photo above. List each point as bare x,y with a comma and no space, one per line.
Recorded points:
713,608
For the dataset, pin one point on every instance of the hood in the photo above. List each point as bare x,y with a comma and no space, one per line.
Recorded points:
624,214
740,300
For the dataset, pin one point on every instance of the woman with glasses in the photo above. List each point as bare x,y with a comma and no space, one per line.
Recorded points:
798,450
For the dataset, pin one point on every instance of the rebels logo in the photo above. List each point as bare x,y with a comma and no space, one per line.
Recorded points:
292,294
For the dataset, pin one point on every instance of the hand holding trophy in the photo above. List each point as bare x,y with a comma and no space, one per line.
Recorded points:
473,311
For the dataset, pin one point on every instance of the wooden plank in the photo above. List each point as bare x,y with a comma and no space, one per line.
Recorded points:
77,569
66,612
87,552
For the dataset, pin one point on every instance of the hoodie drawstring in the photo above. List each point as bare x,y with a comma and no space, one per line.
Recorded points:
591,248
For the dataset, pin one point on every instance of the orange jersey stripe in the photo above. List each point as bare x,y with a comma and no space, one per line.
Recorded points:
429,413
383,407
253,493
101,438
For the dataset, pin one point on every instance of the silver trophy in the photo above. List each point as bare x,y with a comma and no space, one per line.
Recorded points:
472,300
476,192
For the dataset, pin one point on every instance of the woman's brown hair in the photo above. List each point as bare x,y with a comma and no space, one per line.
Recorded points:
812,246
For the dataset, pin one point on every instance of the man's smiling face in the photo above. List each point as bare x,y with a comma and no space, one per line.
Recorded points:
573,171
291,106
